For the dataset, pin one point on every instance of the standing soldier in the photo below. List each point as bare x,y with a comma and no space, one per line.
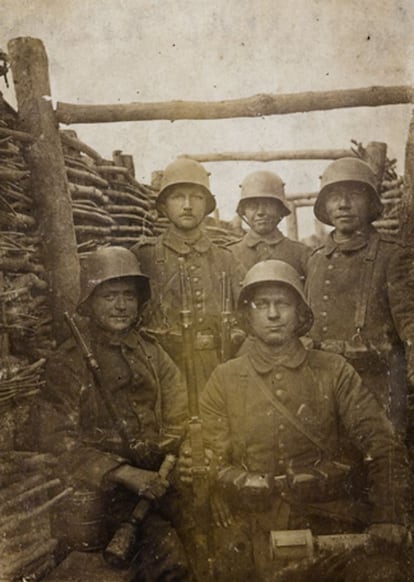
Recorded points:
185,199
359,286
262,206
111,426
279,421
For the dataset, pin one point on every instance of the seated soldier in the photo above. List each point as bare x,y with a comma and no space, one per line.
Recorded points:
114,461
289,430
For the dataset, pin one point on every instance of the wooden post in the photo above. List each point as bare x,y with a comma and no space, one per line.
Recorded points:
407,206
255,106
292,222
375,155
50,188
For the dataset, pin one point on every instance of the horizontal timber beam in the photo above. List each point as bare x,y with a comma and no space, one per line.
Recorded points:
269,156
256,106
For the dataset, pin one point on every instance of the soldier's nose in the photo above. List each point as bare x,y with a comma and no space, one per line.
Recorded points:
272,311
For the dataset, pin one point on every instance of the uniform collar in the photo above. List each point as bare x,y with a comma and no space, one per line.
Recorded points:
292,356
179,245
358,241
253,239
102,337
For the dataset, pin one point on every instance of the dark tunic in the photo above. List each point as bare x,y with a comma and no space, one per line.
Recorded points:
252,249
342,294
245,432
204,263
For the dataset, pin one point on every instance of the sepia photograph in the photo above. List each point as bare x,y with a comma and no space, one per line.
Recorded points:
206,291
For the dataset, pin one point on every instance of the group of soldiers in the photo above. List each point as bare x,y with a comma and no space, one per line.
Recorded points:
302,402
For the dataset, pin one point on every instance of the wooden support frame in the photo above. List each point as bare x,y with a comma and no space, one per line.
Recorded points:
50,187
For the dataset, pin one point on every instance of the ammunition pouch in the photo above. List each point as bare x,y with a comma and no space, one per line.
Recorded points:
363,356
325,481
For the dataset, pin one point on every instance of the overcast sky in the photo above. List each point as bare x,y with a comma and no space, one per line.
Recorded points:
106,51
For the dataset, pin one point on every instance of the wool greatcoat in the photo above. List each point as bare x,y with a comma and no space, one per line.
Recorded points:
146,391
253,248
362,296
246,433
204,263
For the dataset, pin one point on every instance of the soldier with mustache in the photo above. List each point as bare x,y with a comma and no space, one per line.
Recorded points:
185,199
360,286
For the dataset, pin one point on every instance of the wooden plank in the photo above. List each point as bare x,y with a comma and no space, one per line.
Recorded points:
272,156
256,106
50,188
407,206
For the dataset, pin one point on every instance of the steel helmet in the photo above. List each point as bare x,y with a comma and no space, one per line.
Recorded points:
185,171
263,184
274,271
110,263
346,170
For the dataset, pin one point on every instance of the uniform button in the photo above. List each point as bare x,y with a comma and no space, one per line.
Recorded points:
325,297
278,376
281,427
281,446
196,279
192,267
327,282
135,404
280,393
324,314
330,267
199,305
281,462
200,319
324,328
198,293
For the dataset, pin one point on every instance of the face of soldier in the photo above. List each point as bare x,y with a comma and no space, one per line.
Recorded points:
114,304
262,214
185,206
348,208
273,314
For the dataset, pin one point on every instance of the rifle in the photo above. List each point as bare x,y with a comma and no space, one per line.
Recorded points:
138,451
199,468
225,317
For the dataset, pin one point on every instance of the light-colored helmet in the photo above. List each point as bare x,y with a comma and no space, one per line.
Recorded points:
263,184
186,171
274,271
110,263
347,170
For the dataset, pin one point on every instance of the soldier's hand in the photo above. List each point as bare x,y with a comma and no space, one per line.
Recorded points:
220,510
185,463
248,484
148,484
391,533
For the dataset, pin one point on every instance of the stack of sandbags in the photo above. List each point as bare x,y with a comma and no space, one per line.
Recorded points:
28,492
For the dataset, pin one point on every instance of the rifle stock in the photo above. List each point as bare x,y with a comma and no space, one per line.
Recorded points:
199,467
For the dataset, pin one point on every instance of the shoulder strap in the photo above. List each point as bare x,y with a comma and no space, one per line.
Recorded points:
366,280
291,418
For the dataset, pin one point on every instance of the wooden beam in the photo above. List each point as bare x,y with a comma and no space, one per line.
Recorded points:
272,156
256,106
50,188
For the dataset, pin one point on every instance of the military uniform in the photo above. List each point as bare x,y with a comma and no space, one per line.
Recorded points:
246,433
361,295
74,423
204,263
253,248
